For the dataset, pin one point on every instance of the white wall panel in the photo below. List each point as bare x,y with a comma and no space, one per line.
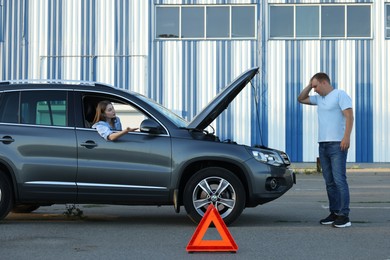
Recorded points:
346,81
381,85
276,94
241,107
172,76
309,113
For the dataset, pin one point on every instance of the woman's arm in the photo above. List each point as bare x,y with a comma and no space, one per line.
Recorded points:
116,135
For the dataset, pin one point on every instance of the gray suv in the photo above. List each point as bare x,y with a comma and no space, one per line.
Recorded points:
49,154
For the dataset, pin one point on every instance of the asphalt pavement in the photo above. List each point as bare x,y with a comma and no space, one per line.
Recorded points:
287,228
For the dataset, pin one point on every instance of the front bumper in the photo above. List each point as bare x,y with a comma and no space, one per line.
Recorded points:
269,183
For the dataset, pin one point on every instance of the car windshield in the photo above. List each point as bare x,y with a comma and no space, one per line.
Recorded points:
177,120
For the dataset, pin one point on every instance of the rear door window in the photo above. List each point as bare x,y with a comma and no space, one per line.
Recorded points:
44,108
9,107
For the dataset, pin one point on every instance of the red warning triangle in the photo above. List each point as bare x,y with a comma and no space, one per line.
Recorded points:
225,244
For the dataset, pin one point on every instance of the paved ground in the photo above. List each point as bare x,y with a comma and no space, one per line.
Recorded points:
286,228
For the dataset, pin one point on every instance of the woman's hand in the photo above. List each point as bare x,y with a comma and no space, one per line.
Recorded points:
129,129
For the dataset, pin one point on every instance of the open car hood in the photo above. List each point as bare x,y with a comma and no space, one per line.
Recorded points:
222,100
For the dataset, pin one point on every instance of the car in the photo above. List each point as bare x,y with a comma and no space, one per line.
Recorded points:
49,154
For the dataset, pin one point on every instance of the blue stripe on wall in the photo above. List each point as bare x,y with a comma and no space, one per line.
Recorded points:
54,47
155,91
223,78
122,59
363,88
88,48
24,66
189,83
116,39
14,39
328,61
1,23
13,11
293,85
363,103
151,49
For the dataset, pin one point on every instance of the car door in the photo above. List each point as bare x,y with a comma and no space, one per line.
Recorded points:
38,141
135,168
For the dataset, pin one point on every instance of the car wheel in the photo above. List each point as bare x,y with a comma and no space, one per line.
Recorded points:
218,186
24,208
6,199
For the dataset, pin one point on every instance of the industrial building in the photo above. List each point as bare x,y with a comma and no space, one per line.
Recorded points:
181,53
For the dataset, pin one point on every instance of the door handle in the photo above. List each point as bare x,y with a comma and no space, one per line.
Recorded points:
89,144
7,139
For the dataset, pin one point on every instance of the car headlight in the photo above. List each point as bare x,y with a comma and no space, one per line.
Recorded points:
267,156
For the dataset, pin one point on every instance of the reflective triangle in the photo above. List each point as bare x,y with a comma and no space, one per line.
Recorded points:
197,243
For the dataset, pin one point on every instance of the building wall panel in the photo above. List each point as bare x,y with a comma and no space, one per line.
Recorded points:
190,74
113,42
350,64
77,40
380,87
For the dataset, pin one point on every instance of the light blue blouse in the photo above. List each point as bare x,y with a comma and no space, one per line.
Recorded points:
105,129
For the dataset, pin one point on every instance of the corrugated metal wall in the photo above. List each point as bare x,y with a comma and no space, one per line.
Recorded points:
360,67
197,70
113,42
80,40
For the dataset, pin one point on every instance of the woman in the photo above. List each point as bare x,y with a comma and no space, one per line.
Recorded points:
107,123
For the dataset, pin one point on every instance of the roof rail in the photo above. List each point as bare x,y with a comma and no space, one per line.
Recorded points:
55,81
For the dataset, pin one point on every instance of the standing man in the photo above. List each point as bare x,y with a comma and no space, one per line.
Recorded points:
335,121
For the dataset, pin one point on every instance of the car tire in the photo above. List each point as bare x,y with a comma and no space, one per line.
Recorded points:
24,208
6,198
202,190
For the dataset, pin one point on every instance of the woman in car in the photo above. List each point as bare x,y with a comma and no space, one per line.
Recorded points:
107,123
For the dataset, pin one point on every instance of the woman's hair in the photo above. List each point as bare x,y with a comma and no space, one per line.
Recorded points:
100,109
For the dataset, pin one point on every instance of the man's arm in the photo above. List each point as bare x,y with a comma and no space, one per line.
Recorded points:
345,143
304,95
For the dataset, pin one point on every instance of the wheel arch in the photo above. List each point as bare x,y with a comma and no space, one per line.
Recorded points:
195,166
9,173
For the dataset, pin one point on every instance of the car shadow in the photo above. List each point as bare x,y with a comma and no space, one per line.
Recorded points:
142,215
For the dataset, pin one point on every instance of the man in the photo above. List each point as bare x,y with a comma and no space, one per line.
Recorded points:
335,121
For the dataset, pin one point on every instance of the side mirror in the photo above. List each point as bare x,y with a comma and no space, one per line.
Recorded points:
151,127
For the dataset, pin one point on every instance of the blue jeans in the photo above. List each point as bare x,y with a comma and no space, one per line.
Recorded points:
333,162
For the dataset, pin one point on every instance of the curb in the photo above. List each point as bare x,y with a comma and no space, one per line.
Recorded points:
311,168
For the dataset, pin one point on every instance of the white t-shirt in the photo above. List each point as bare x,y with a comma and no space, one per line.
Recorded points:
331,121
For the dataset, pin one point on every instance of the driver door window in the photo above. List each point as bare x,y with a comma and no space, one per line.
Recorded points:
128,114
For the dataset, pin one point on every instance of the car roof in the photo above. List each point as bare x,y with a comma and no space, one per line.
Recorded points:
83,86
55,84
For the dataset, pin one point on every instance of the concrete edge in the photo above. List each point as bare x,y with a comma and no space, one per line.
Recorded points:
351,167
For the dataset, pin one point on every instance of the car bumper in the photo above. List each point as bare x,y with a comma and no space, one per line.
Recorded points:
269,183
